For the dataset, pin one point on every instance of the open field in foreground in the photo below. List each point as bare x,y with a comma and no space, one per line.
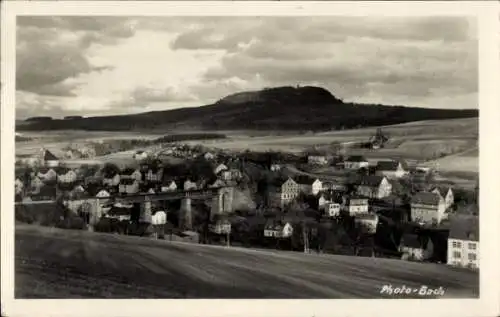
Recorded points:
52,263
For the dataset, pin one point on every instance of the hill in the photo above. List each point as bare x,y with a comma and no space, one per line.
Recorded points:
53,263
280,108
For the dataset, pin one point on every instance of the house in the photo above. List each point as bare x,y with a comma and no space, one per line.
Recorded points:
111,178
208,156
275,167
103,194
66,175
367,221
282,191
427,208
327,186
373,186
308,185
356,162
417,247
168,185
275,228
463,242
47,174
330,197
36,184
131,173
446,193
317,160
140,155
121,213
189,185
220,225
49,159
392,169
356,205
159,218
332,209
18,186
128,186
220,168
154,174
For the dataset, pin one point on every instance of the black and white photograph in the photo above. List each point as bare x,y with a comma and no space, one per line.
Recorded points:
245,156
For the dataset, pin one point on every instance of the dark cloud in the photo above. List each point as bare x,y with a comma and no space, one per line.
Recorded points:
45,59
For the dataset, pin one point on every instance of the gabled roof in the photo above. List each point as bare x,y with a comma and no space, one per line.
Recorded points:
390,165
279,181
465,228
443,190
44,170
366,216
414,241
304,180
274,224
371,180
62,170
356,158
357,197
425,198
48,156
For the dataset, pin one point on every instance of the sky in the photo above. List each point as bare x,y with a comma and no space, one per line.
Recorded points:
117,65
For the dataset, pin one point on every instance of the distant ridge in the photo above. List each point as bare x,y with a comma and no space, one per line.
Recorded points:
280,108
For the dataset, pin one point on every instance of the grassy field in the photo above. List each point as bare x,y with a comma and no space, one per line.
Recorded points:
52,263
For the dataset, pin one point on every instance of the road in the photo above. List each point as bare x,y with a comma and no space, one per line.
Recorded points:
54,263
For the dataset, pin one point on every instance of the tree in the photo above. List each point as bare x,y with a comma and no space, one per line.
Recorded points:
110,169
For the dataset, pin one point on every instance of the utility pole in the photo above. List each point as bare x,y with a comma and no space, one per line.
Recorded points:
306,238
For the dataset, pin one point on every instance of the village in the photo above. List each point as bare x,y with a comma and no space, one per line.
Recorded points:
385,208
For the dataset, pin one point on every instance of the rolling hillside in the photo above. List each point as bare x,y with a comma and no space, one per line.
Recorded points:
52,263
281,108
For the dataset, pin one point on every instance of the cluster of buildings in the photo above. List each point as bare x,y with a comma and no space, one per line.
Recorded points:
358,198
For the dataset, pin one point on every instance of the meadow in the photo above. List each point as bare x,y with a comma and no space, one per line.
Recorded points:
55,263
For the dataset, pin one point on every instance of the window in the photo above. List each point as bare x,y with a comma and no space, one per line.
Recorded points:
472,246
459,244
457,255
472,257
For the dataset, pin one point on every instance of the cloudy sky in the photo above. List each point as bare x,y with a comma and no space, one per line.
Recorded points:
116,65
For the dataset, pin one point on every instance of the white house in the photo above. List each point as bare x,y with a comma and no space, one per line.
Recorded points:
189,185
317,160
446,193
154,175
332,209
392,169
356,205
111,180
220,168
428,208
309,185
65,175
140,155
275,167
18,185
463,242
169,186
209,156
278,229
128,186
416,247
356,162
374,187
47,174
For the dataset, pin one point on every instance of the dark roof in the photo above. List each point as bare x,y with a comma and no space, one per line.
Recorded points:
371,180
443,190
390,165
425,198
62,170
127,181
44,170
415,241
304,179
274,224
278,181
46,192
465,228
119,211
355,197
128,171
48,156
356,158
334,195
